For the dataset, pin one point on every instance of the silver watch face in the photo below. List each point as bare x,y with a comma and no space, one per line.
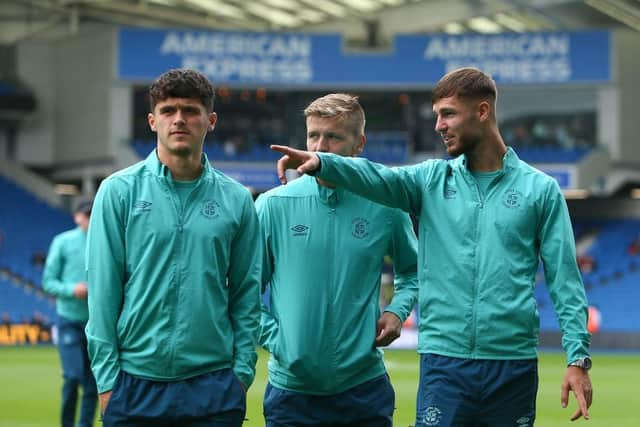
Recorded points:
584,363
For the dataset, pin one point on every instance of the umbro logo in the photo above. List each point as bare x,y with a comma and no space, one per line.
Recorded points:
300,230
450,193
142,206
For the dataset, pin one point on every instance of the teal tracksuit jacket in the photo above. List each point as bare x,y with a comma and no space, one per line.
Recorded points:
63,270
324,251
479,255
174,291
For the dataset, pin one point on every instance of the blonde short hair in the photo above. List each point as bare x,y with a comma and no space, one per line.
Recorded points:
341,105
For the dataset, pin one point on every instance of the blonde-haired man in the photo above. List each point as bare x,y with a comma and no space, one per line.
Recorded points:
324,250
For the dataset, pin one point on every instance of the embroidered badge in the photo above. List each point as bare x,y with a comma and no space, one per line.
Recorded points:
360,228
512,199
210,209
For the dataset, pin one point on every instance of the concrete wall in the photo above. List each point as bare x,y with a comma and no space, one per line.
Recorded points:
628,67
36,143
83,113
83,78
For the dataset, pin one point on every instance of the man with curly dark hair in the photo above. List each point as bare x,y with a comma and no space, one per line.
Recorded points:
174,275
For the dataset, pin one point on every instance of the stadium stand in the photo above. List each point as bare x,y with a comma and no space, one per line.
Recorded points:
551,153
21,302
613,283
27,226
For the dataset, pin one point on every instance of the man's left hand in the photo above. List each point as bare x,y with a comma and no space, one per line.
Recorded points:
387,329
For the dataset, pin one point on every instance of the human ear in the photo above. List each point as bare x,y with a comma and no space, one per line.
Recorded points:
484,110
152,121
360,145
213,118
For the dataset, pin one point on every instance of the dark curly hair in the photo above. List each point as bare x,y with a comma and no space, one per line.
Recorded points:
182,83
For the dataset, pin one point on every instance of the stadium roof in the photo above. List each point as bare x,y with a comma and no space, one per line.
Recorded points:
369,23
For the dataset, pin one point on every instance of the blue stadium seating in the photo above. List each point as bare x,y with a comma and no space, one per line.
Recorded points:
551,153
613,287
21,302
27,226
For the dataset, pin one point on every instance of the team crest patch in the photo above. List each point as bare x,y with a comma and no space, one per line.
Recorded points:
512,199
432,416
360,228
210,209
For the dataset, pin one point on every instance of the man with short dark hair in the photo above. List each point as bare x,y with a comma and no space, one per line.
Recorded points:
174,261
486,219
65,277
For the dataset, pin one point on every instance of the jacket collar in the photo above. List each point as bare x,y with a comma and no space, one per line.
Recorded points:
153,163
509,161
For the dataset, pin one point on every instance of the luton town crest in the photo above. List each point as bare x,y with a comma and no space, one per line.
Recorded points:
210,209
512,199
360,228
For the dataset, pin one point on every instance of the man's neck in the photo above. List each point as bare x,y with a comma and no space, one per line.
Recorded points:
488,155
183,168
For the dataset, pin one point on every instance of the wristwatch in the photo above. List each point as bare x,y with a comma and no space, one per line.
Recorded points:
584,363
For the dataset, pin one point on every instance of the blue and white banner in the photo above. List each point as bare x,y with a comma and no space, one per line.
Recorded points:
307,60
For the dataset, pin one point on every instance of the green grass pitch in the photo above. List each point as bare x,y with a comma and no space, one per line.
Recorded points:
30,384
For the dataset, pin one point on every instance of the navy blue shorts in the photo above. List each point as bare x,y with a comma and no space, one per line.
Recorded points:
476,393
369,404
211,400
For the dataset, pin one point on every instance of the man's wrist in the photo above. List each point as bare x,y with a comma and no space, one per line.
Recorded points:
583,362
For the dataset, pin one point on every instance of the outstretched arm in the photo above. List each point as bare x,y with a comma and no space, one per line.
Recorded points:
396,187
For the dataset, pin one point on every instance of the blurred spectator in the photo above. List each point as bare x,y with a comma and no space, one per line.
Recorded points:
541,132
37,318
634,247
521,135
586,263
563,137
38,259
6,319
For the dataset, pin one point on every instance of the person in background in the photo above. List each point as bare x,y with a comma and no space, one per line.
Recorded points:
174,263
323,258
64,277
486,218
